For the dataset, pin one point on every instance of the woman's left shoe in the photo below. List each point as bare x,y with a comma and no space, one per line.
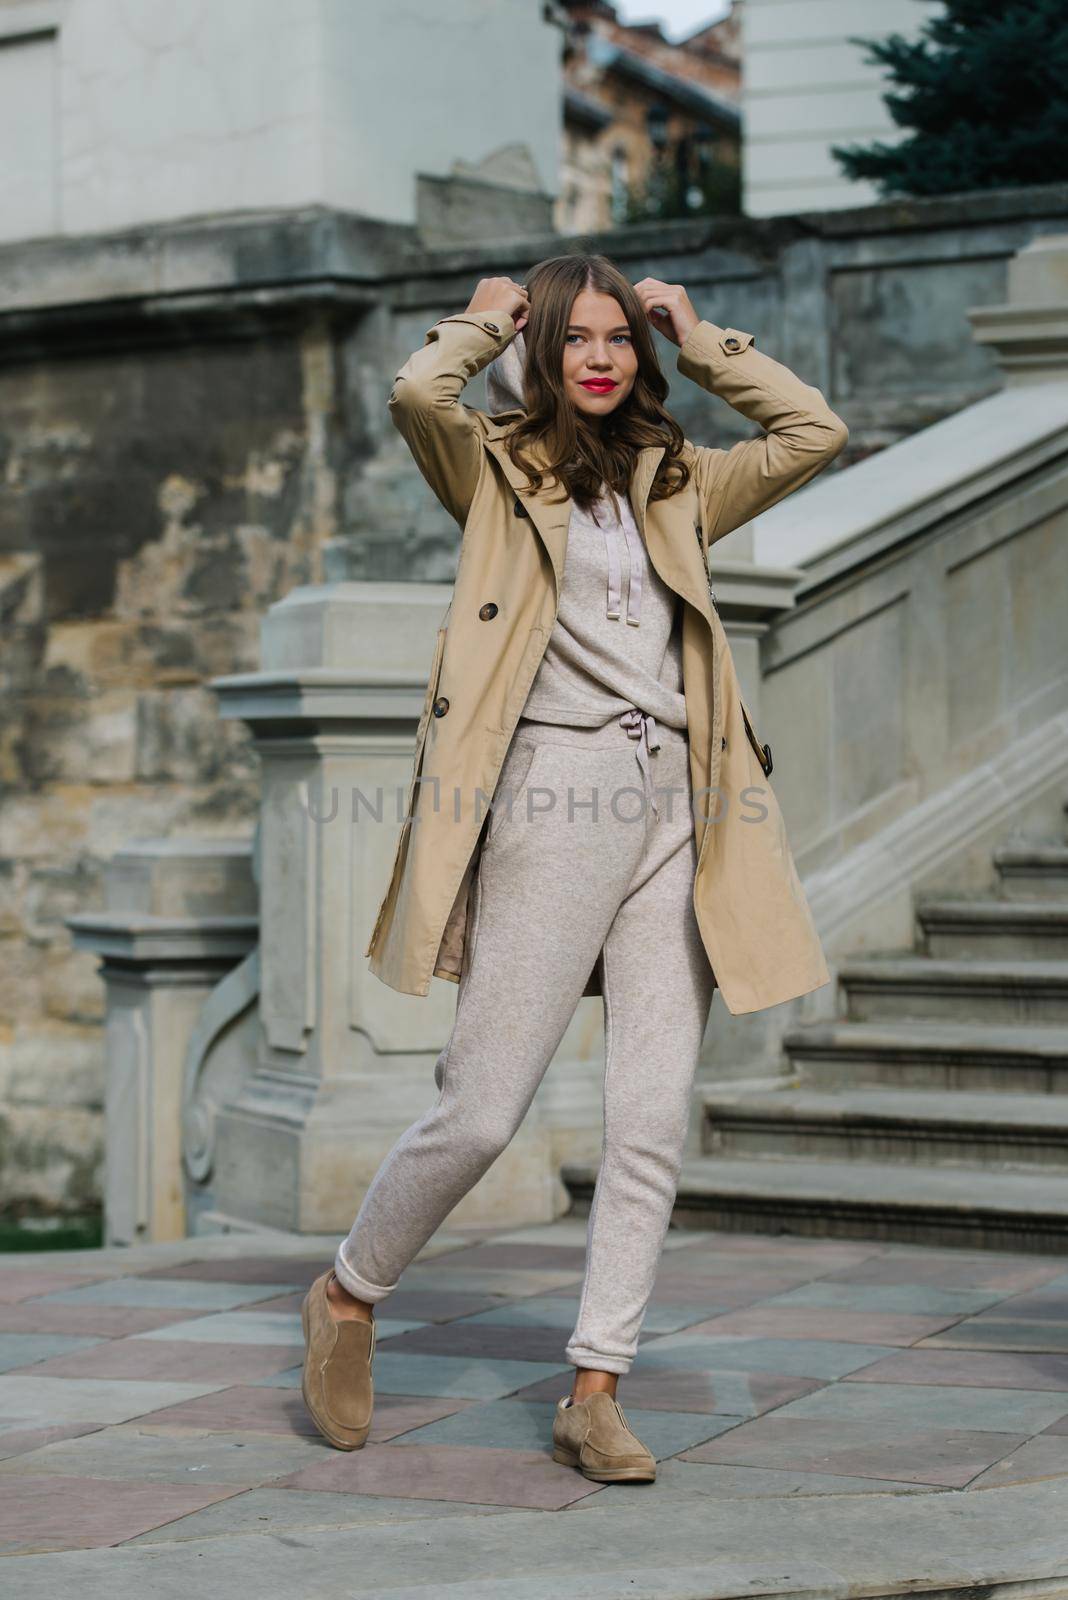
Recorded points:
594,1435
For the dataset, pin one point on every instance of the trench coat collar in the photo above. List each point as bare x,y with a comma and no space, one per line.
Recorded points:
551,515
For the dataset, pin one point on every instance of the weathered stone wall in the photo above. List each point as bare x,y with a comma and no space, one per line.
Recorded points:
192,421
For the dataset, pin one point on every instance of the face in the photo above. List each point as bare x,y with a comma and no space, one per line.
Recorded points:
600,363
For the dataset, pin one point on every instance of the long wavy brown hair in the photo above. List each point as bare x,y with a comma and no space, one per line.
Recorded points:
580,457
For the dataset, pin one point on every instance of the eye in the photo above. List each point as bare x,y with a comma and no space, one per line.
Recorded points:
572,337
624,336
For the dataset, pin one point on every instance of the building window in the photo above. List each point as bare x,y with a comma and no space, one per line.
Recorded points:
619,184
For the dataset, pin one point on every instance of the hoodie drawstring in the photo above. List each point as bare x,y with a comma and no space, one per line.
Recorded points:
634,583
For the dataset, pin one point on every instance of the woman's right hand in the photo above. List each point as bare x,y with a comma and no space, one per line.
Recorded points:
501,294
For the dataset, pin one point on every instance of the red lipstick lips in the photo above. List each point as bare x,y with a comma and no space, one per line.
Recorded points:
600,385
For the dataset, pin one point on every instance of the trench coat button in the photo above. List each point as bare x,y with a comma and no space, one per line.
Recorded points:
520,509
488,611
732,344
441,705
491,327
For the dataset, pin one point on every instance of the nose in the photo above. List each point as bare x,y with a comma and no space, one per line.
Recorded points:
599,357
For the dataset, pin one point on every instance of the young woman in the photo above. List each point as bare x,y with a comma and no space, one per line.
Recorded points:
582,678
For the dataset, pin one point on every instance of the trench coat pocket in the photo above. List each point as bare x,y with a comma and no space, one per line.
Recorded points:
762,751
424,719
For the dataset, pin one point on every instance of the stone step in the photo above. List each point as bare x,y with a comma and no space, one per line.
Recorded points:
927,1127
958,1206
917,986
1032,871
929,1055
1021,930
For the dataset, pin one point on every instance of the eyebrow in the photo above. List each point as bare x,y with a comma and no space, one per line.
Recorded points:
578,327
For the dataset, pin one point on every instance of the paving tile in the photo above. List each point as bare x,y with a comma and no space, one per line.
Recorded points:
38,1316
437,1305
801,1322
38,1514
236,1327
950,1269
138,1453
991,1333
20,1283
551,1311
921,1406
1043,1457
520,1425
800,1358
1042,1305
822,1255
288,1304
464,1377
950,1458
682,1478
908,1299
564,1230
469,1338
393,1327
968,1367
296,1271
739,1394
730,1271
437,1275
721,1294
288,1379
522,1478
278,1511
18,1440
171,1361
157,1294
24,1349
251,1408
56,1400
515,1254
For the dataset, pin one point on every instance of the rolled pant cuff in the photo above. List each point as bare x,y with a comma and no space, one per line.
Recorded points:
579,1356
360,1287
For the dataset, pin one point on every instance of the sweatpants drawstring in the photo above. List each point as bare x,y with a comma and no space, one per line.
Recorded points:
641,726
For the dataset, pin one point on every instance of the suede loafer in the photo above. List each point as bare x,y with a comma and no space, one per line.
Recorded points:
337,1384
594,1436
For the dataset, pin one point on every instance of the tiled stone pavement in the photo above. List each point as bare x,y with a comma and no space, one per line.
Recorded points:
827,1416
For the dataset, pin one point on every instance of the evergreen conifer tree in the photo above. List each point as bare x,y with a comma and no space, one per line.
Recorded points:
984,89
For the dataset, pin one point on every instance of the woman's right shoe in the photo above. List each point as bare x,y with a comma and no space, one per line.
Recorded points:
337,1384
594,1436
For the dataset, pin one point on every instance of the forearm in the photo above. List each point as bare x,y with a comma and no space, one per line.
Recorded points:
454,351
759,387
802,433
425,405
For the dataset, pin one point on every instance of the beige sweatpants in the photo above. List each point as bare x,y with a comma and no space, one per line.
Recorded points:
557,884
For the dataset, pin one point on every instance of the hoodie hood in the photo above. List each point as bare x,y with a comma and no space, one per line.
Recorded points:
504,378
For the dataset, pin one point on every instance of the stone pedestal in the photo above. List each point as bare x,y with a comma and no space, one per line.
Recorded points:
1029,333
343,1063
179,917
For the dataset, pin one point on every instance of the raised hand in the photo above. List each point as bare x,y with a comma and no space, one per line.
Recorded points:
668,307
501,294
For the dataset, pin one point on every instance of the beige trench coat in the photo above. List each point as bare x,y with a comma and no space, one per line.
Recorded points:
753,916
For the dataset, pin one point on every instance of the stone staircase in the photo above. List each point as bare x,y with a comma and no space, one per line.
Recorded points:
935,1110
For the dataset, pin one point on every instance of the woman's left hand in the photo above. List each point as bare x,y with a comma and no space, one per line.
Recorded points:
668,307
